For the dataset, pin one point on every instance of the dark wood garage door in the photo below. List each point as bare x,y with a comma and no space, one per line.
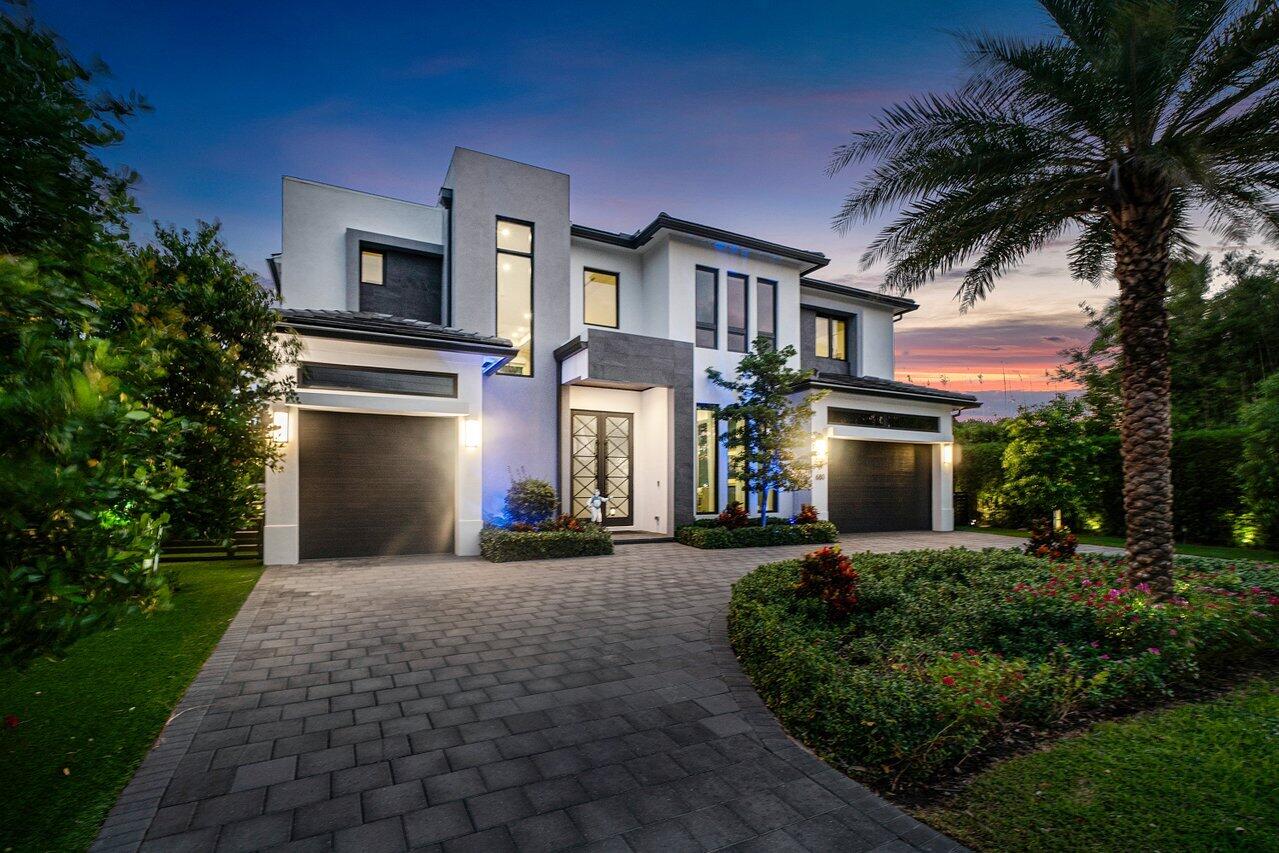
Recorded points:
371,485
880,485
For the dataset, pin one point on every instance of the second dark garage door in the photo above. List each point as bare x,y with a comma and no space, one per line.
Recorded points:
880,485
371,485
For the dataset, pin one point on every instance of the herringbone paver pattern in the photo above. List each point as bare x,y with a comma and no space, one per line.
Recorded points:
452,704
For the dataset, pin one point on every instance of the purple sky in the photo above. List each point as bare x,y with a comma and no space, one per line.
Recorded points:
723,113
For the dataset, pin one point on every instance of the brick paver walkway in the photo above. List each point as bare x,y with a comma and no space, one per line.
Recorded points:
449,703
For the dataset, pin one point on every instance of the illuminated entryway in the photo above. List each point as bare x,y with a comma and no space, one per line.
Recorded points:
602,460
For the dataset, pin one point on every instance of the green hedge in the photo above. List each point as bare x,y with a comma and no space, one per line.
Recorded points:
706,535
499,545
947,650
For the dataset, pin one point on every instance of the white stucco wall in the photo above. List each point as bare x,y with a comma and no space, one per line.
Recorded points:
631,314
316,219
282,499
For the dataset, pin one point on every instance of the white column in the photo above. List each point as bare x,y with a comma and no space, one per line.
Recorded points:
943,486
280,533
469,492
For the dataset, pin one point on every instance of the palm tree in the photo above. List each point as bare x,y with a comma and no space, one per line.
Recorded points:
1113,134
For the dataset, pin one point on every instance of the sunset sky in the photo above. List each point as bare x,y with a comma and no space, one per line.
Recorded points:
724,114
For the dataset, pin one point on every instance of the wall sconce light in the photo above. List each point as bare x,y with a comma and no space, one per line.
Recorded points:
947,455
820,446
471,433
280,426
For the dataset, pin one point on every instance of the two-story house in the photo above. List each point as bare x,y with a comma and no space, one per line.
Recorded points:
447,347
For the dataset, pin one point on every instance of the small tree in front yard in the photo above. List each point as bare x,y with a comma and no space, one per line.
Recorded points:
769,422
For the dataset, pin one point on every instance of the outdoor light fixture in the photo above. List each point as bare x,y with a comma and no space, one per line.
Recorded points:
471,432
947,454
280,426
820,446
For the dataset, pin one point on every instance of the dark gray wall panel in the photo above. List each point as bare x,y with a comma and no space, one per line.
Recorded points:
413,286
375,484
879,485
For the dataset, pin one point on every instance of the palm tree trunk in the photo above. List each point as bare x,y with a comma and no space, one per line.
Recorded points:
1143,231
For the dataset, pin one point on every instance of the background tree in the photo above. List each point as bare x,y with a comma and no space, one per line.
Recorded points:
1259,469
1112,132
221,330
769,422
96,424
56,194
1224,339
1047,465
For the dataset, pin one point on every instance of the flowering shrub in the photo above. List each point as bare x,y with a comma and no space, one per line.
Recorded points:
807,514
734,516
828,574
563,521
1050,543
944,649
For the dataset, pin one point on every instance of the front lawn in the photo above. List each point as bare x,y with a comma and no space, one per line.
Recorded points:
86,722
1221,552
910,665
1196,777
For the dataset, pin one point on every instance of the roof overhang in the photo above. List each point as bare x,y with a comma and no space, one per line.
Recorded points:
322,329
812,260
899,304
954,401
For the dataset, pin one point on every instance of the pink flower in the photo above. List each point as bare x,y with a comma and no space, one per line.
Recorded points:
1094,644
1172,632
1105,657
1153,650
1143,587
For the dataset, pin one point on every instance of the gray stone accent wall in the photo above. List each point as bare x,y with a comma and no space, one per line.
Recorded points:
808,359
641,360
520,413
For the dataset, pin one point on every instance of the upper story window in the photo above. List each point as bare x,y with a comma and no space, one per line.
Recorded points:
599,298
766,307
515,292
707,307
737,312
832,338
372,267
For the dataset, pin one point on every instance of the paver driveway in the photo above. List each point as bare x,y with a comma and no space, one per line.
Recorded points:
456,704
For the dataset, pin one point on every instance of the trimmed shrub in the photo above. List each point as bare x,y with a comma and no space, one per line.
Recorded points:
946,649
530,501
500,545
779,532
807,514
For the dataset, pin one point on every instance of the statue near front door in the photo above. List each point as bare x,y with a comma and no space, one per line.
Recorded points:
598,504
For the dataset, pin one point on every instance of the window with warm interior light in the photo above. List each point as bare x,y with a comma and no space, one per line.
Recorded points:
599,298
515,293
372,267
707,500
832,338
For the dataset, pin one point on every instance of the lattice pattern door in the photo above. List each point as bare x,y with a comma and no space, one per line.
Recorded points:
600,458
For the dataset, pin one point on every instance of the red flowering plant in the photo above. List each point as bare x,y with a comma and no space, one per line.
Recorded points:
734,516
975,684
807,514
1051,543
828,574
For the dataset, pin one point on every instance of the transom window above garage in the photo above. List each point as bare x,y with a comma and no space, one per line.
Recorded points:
883,420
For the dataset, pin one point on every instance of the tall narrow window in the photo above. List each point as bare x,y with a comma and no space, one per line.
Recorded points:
832,338
707,297
372,266
736,312
707,460
736,487
766,309
515,293
599,298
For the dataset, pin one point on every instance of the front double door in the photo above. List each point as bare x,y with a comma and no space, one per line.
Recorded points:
601,446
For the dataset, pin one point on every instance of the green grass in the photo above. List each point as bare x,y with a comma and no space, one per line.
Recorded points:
1224,552
1194,777
87,721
